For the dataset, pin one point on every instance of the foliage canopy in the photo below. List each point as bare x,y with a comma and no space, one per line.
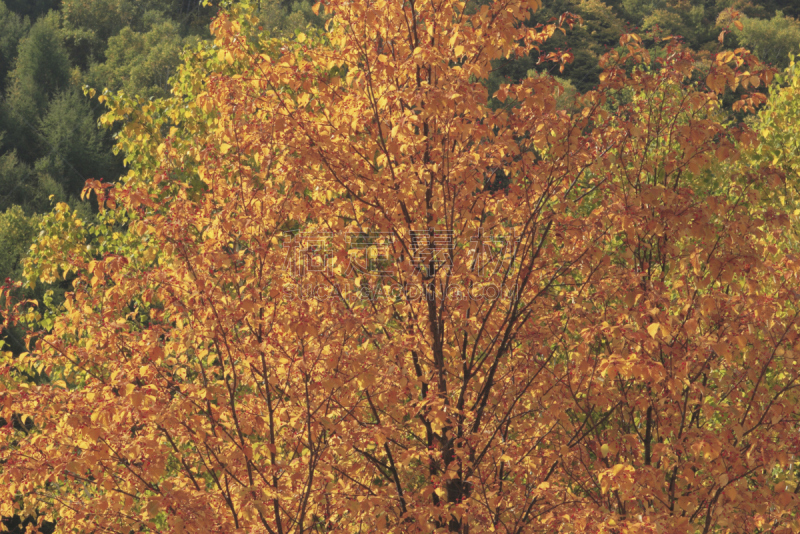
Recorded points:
342,291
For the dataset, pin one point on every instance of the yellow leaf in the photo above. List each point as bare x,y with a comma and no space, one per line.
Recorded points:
653,329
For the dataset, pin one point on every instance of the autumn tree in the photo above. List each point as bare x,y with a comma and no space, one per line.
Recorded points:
340,292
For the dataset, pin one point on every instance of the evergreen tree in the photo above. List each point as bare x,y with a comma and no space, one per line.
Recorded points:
74,146
42,69
12,29
16,181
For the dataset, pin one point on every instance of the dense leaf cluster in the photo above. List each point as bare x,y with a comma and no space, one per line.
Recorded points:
643,363
343,287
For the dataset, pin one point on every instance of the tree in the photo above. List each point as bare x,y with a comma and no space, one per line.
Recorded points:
15,180
74,148
693,21
778,145
599,30
32,8
772,40
106,18
765,9
282,18
12,29
142,62
340,292
41,70
92,23
34,190
16,235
